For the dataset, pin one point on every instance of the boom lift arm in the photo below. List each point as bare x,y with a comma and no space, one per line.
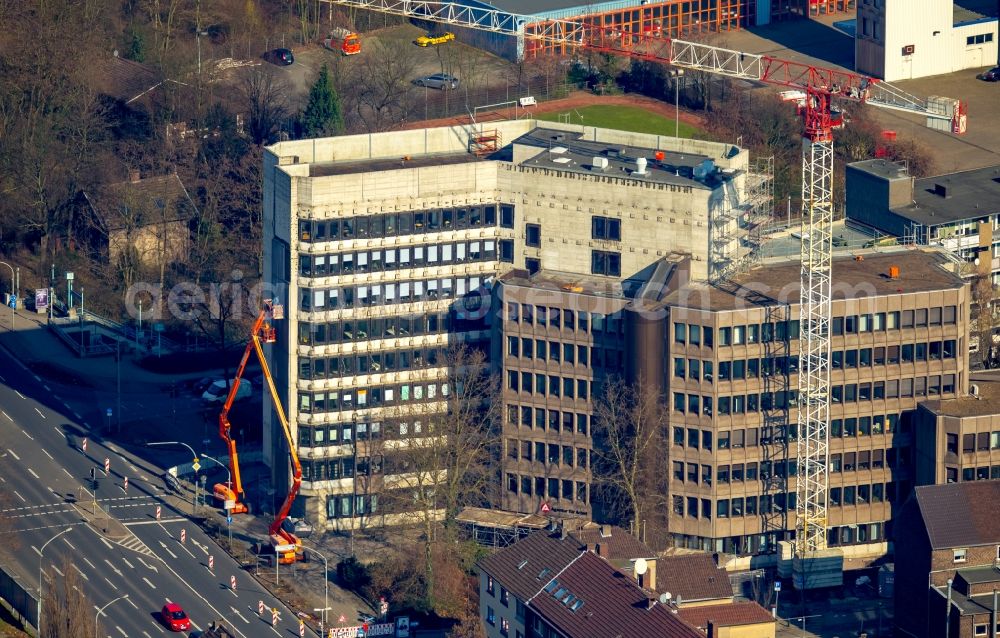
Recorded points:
235,491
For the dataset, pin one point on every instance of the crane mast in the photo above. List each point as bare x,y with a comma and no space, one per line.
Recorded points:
821,86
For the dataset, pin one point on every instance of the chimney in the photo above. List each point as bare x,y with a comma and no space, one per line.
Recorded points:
605,531
133,175
893,272
591,547
562,531
941,190
650,602
649,578
602,550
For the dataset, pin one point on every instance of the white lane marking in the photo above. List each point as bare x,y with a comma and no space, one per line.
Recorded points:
65,540
37,378
146,634
61,433
169,602
40,413
124,560
19,394
8,416
85,577
20,497
76,414
47,388
67,472
233,593
167,550
109,582
152,567
47,454
152,586
113,568
120,630
26,434
52,490
165,520
14,454
57,570
134,468
237,612
32,472
106,543
87,560
36,551
184,547
134,606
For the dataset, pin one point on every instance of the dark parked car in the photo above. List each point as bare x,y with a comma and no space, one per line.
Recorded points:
281,57
438,81
993,75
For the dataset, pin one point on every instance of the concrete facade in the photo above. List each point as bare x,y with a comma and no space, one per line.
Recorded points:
385,247
959,439
907,39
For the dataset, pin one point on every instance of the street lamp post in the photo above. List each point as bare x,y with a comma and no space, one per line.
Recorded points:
676,74
100,611
40,581
194,456
13,288
326,592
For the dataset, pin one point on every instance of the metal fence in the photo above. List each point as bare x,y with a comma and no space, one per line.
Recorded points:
19,598
431,104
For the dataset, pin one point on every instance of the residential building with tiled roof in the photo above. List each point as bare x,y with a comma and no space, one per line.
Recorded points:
731,620
947,547
693,579
566,584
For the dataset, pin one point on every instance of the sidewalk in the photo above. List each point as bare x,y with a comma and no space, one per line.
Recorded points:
33,342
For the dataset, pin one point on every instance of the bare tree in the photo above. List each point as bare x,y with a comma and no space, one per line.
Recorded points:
267,103
65,608
629,439
982,327
450,461
382,84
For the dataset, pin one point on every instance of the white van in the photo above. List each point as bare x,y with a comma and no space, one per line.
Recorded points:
219,390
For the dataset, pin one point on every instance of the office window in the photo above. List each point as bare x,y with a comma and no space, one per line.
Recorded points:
507,251
606,228
959,555
533,235
606,263
680,333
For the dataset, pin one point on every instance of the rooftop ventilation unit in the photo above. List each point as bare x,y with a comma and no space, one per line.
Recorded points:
703,170
558,150
600,163
640,166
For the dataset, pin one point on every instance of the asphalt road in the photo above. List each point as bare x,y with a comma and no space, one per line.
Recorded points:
40,443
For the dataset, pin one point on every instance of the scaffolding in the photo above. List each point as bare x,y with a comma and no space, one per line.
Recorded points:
485,143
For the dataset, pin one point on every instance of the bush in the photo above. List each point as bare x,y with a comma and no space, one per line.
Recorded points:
187,362
353,575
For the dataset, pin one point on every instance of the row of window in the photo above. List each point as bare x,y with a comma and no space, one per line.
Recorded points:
695,439
694,334
408,223
317,334
542,487
980,38
343,433
337,468
554,420
738,369
390,259
564,318
698,335
933,385
350,505
548,453
554,351
606,228
356,398
547,385
737,473
746,506
387,294
986,441
972,473
368,363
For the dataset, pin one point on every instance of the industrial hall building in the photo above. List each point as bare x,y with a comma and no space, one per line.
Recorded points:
387,249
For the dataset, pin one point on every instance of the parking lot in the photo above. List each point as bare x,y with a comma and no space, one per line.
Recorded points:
819,42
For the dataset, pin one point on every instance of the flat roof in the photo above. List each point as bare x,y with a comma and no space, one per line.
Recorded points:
778,283
534,7
954,197
886,169
567,151
325,169
965,11
979,575
987,402
565,282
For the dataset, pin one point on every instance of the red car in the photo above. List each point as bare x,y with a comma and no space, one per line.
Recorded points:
175,618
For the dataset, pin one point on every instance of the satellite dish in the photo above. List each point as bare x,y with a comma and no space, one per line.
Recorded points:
665,598
641,566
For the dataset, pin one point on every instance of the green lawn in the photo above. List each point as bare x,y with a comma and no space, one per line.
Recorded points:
624,118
